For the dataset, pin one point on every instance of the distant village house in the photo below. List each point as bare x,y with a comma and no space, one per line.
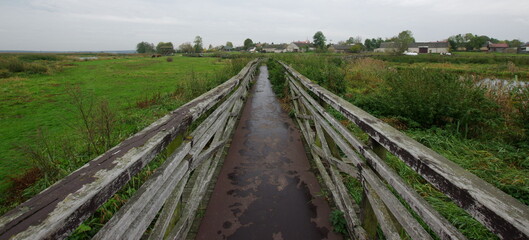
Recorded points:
417,47
337,48
497,47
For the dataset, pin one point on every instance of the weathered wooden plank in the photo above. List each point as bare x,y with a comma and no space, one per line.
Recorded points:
152,194
168,210
342,166
349,206
383,216
58,210
407,221
353,222
436,222
161,226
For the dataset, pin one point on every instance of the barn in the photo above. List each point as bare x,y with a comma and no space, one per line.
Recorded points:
429,47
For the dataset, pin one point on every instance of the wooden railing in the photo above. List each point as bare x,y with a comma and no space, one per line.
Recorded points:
336,151
58,210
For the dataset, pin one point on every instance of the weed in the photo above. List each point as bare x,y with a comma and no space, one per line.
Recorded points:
276,74
43,155
338,222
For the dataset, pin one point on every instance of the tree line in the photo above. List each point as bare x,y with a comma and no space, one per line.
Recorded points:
401,41
186,47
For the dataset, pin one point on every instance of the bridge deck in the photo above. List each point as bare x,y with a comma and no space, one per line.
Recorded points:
265,189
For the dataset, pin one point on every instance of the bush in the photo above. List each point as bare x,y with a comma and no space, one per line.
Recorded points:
521,104
36,68
41,57
16,65
4,73
276,74
433,98
326,71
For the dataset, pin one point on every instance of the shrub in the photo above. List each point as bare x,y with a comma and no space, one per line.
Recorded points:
16,65
36,68
433,98
276,74
4,73
42,57
521,104
338,222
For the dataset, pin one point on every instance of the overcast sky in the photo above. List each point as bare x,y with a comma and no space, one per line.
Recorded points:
91,25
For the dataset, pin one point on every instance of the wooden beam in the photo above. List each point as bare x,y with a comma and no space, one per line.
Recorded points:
436,222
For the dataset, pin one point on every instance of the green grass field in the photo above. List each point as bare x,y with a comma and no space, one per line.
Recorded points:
42,101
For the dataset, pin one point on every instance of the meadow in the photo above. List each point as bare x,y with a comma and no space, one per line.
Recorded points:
56,118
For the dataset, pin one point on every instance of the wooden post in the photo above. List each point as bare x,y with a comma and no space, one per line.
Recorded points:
379,150
367,215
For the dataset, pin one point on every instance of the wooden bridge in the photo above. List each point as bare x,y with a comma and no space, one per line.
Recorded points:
196,136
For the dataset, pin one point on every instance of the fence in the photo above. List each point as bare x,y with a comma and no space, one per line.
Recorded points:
336,151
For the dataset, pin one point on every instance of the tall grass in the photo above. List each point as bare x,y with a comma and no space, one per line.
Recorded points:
434,58
325,70
98,127
432,98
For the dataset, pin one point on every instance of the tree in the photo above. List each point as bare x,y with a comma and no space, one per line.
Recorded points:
354,40
357,47
372,44
319,40
198,44
229,44
248,43
514,43
145,47
403,40
186,47
165,48
457,41
476,42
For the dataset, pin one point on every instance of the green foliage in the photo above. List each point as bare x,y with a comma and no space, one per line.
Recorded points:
521,103
13,66
165,48
328,72
186,48
358,47
276,74
372,44
338,222
4,73
433,98
459,58
197,44
16,66
248,43
403,40
41,57
319,40
145,47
